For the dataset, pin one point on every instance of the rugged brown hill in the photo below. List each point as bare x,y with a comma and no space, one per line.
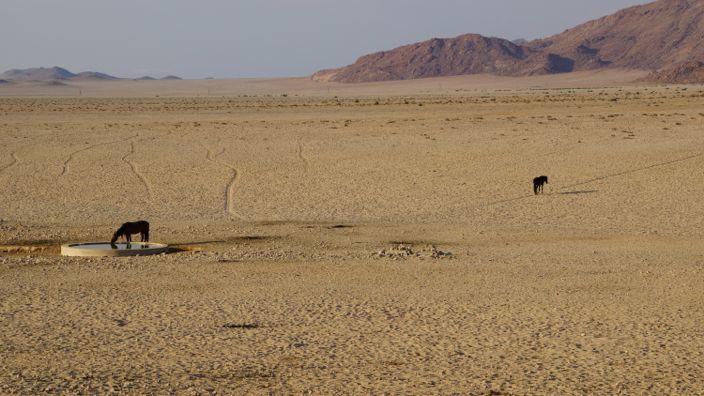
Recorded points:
651,36
467,54
658,35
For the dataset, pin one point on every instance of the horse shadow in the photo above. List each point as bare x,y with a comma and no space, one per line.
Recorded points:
579,192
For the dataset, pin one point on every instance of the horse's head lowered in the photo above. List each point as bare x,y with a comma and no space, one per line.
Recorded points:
116,235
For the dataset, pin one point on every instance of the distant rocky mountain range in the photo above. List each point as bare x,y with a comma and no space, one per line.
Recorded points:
149,78
59,73
665,37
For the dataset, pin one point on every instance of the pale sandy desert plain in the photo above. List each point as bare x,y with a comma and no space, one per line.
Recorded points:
376,238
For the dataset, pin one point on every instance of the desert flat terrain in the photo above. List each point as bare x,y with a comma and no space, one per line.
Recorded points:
380,238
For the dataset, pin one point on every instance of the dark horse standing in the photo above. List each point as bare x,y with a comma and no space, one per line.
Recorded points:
538,183
138,227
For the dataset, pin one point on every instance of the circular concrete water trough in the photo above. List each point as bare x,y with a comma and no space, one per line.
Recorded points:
105,249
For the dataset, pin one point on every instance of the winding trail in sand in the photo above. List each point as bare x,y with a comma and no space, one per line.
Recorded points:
65,165
228,204
135,170
13,162
301,155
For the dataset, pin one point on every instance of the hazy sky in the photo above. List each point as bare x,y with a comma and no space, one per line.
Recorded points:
257,38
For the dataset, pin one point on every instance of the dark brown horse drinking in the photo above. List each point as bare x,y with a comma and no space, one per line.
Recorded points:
138,227
538,183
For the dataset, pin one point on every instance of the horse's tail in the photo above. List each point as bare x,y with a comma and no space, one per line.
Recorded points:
146,232
535,188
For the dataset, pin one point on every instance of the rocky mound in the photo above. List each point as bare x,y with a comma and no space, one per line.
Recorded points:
691,72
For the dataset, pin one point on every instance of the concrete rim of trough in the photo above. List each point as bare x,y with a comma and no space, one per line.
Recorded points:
74,249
